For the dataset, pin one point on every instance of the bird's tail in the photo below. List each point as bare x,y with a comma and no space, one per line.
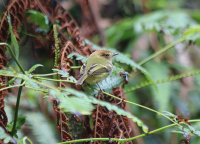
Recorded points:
81,80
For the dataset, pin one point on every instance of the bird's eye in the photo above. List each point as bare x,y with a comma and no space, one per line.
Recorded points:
106,54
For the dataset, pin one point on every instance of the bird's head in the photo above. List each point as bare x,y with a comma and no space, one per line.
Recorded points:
104,54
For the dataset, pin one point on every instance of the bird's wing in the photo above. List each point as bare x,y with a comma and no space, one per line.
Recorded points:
82,70
99,69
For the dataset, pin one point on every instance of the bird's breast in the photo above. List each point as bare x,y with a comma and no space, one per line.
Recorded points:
93,79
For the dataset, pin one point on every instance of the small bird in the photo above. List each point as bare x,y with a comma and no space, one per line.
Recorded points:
97,67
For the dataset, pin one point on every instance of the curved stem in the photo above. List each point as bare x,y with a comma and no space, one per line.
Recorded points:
24,140
11,52
161,51
139,106
74,67
55,80
125,140
39,75
12,86
28,79
28,34
162,128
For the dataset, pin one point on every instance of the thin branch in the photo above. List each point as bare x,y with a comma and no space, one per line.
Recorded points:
172,78
17,109
97,115
28,79
55,80
28,34
125,140
161,51
40,75
12,86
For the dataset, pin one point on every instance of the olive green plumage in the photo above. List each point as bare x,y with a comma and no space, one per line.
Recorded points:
97,67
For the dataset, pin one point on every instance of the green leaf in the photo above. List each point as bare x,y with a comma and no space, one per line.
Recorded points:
190,131
76,105
71,78
170,115
61,72
4,136
78,57
120,111
7,139
46,96
65,74
32,84
167,21
20,121
24,140
41,20
13,38
83,105
11,81
75,92
34,67
79,104
192,33
197,133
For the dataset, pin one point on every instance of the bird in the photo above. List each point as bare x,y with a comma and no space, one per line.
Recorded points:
97,67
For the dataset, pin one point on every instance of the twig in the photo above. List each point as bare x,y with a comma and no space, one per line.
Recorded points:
161,51
17,108
54,80
12,86
125,140
96,117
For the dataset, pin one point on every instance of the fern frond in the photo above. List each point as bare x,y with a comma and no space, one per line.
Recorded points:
161,21
13,38
40,20
78,57
192,33
176,77
41,128
34,67
76,105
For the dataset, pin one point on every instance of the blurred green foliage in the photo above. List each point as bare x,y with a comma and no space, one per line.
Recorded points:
142,28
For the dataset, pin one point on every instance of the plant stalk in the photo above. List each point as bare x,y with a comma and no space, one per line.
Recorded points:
17,108
161,51
125,140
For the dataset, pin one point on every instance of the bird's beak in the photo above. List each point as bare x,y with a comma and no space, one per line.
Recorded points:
114,54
